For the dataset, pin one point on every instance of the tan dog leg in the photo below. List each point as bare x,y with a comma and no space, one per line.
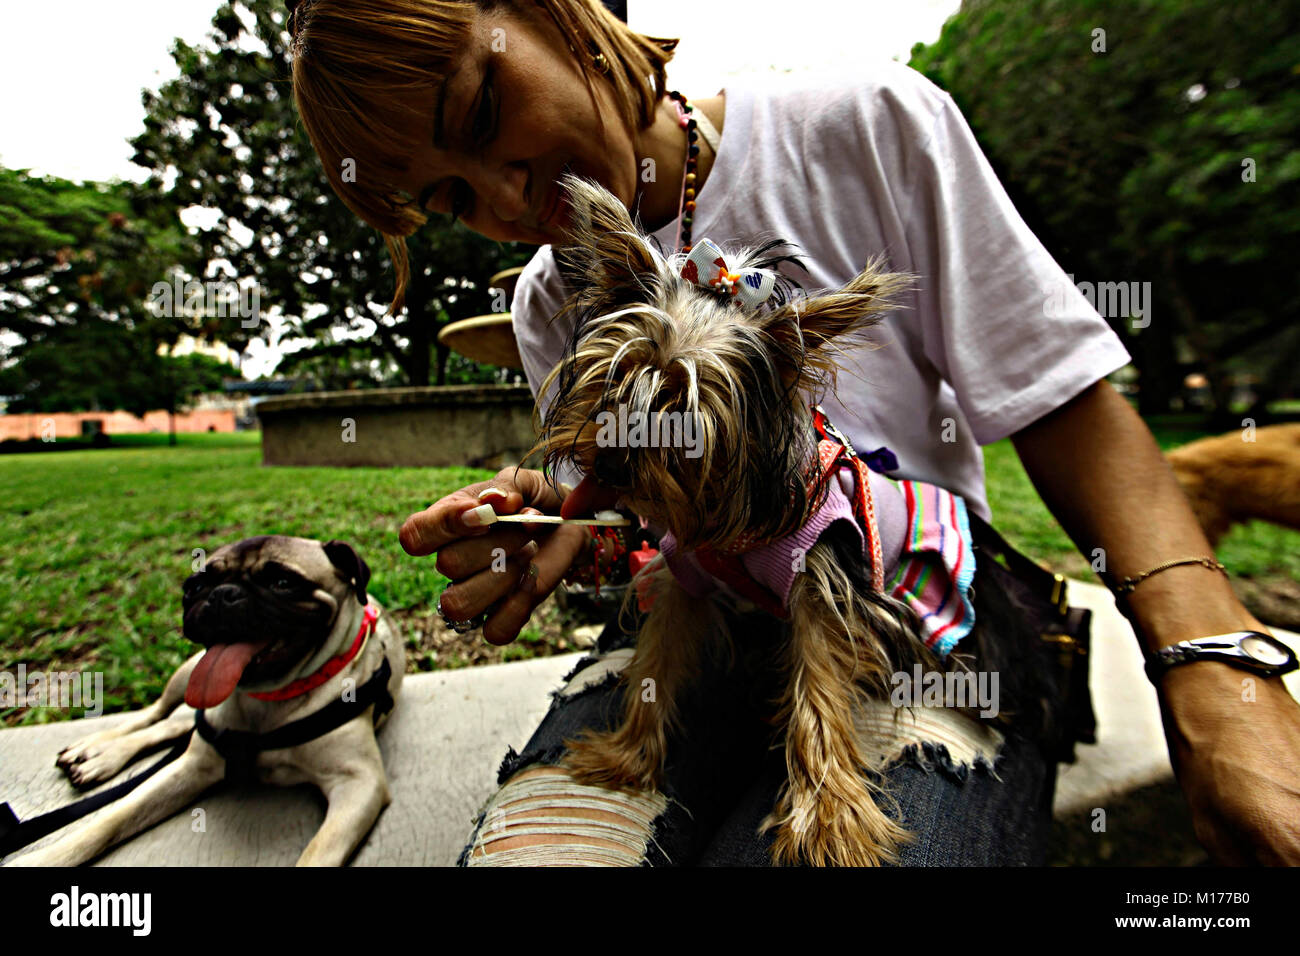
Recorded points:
169,790
667,657
356,790
102,755
827,812
355,802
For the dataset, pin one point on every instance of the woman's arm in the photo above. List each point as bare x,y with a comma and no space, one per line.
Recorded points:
1098,468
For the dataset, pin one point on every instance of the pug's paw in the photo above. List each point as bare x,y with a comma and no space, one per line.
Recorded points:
90,762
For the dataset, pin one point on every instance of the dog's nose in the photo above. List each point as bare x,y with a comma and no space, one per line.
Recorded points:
228,595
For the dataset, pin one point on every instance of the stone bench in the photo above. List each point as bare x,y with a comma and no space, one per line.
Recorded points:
446,738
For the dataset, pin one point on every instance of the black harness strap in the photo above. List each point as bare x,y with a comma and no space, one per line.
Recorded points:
238,748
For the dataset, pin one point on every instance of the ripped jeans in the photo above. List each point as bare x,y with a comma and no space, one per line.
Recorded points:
971,794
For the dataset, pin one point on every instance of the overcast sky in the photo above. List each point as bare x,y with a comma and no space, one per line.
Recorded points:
72,71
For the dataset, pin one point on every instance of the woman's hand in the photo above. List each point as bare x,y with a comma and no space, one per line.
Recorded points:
510,568
1236,750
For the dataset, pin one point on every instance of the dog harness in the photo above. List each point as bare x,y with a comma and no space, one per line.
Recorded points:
915,537
238,748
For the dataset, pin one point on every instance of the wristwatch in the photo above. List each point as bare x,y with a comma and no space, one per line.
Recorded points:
1249,650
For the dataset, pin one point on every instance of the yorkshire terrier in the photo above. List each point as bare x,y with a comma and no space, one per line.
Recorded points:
736,355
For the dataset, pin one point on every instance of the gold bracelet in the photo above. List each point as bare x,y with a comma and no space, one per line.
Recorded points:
1128,584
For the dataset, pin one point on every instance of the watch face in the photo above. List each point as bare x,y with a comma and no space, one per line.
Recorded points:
1266,652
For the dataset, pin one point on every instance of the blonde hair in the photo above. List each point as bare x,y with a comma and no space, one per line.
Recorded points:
350,56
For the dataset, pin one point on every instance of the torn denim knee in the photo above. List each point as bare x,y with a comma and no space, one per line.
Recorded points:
933,739
537,805
592,673
589,675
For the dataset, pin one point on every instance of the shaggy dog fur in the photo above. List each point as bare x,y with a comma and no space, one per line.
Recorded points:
649,339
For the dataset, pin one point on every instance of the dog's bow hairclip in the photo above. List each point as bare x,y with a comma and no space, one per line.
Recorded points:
707,267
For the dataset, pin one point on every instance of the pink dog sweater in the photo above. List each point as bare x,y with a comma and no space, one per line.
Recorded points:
915,537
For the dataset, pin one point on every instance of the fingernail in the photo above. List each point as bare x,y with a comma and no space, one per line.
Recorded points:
490,491
479,517
530,549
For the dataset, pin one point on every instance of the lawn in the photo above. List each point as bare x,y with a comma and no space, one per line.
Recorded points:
98,541
1263,559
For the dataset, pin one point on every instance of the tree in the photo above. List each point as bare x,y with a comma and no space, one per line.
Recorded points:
225,136
182,378
76,262
1149,140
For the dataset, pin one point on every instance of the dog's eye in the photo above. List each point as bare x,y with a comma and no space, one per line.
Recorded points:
193,582
277,580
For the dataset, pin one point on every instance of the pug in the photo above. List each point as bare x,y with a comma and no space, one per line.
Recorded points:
293,644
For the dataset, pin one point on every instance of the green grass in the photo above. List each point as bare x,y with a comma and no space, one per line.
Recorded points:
1256,550
159,439
98,541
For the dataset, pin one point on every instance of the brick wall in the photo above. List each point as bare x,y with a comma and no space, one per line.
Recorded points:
68,424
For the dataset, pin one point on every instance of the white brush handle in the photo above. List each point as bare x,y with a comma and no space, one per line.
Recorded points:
556,519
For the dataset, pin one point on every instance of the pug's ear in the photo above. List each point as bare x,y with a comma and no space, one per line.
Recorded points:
603,248
349,563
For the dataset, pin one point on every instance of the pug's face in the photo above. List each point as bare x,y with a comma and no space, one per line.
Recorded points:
262,606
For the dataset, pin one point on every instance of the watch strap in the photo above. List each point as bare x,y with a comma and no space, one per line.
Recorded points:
1225,648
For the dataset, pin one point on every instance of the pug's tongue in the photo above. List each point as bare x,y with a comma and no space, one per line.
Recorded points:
218,671
589,497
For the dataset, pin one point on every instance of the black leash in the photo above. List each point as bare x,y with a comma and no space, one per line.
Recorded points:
237,747
14,835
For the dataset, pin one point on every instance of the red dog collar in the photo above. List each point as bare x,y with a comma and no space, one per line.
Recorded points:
331,667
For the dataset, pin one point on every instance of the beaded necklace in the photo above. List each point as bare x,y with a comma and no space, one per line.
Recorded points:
686,206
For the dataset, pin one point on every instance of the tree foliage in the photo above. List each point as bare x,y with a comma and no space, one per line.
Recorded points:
77,262
225,136
1159,150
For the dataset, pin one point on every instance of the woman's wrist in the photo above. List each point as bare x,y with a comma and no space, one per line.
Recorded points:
1203,699
1183,603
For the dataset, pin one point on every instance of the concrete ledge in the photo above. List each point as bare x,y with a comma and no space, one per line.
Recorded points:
446,739
442,746
487,426
1131,751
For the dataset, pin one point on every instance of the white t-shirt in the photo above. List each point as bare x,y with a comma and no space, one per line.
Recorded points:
881,161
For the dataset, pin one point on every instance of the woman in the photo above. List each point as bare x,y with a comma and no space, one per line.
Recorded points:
475,109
